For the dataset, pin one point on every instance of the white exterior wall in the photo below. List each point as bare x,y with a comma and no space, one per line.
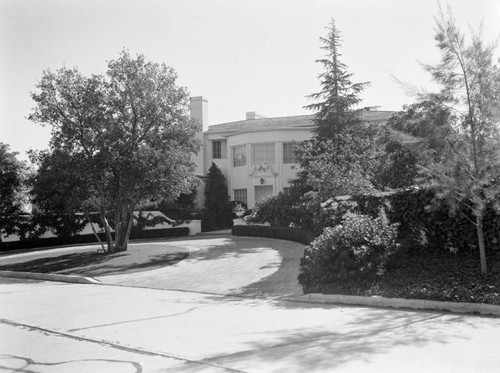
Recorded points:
246,177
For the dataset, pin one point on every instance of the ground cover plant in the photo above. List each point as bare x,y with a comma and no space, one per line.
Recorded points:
415,273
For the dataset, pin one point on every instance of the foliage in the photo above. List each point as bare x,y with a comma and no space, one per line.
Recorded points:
126,134
187,200
339,95
12,179
398,167
283,233
344,153
424,220
429,122
59,193
218,208
468,79
89,238
426,274
282,210
341,165
359,247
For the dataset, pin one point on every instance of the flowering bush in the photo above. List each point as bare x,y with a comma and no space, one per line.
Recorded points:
360,246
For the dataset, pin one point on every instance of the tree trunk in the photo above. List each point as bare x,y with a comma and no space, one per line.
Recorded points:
107,229
104,221
94,231
123,228
480,239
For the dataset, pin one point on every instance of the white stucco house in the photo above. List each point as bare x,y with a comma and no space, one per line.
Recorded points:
255,154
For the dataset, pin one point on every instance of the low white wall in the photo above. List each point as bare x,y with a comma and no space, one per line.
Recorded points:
194,228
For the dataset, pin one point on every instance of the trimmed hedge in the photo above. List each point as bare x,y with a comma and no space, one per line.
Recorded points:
283,233
90,238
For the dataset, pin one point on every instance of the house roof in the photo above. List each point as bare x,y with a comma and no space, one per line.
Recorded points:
299,121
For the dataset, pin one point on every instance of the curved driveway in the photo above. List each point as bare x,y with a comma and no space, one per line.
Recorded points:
249,266
222,264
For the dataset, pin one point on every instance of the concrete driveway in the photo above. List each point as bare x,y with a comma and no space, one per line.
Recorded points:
221,264
248,266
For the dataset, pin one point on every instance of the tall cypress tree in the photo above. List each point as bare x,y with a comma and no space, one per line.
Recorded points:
217,209
334,106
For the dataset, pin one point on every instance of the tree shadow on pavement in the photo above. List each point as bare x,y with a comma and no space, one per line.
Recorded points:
93,264
363,336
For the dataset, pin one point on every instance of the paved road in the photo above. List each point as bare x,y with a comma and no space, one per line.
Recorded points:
56,327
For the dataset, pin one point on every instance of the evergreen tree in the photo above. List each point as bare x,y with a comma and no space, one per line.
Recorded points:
469,82
334,106
342,155
217,207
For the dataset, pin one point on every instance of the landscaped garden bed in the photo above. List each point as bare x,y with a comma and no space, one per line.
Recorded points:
431,275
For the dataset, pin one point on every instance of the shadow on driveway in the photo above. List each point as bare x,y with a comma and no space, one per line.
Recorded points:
89,263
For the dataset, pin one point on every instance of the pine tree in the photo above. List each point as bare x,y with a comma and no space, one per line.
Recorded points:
469,83
334,106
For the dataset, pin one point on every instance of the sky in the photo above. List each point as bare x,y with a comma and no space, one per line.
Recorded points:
251,55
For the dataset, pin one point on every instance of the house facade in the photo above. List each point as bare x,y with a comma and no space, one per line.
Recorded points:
256,155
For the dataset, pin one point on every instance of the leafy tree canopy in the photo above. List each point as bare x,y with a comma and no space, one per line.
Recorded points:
12,178
126,134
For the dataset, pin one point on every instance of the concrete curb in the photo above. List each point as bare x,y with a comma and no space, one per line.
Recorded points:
419,304
50,277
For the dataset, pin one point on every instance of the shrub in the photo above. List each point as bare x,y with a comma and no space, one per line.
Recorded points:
359,247
89,238
284,233
283,210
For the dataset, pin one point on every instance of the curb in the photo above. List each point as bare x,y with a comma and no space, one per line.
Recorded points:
419,304
50,277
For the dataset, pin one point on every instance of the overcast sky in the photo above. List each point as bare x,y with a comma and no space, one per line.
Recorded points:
252,55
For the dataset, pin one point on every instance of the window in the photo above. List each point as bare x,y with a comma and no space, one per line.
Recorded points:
216,149
289,153
239,156
286,191
240,195
263,153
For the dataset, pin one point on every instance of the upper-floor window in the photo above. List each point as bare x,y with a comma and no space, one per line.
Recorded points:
216,149
263,153
239,156
289,152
